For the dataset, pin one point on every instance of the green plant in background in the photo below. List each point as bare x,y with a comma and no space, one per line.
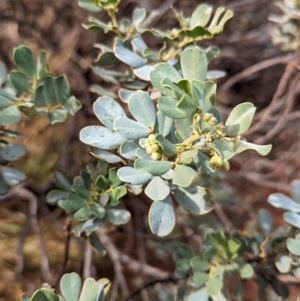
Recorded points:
72,290
286,34
169,136
39,93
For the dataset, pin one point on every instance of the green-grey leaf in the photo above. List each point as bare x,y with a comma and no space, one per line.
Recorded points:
282,262
183,175
72,203
129,57
19,81
246,271
62,89
162,217
107,110
89,5
83,213
124,94
117,215
138,16
157,189
100,137
92,224
55,195
201,15
200,278
43,65
142,108
130,129
201,294
240,118
163,124
293,245
44,294
62,180
155,168
223,148
97,245
168,106
292,218
279,200
194,64
195,199
3,73
89,290
241,146
72,105
265,221
186,251
70,286
57,115
143,72
39,97
98,210
210,96
11,152
168,148
24,60
200,264
184,127
12,176
105,155
164,70
133,176
214,285
10,115
49,90
128,148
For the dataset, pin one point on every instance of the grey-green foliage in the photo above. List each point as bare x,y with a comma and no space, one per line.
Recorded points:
130,48
72,290
286,32
287,262
9,176
224,258
221,256
36,91
90,198
168,146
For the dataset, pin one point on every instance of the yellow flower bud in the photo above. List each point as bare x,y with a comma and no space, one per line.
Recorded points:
225,166
149,150
151,138
215,162
156,156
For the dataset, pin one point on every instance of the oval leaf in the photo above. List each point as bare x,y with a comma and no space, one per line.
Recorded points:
240,118
142,108
108,110
195,199
162,217
100,137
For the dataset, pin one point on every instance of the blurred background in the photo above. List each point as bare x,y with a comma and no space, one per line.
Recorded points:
254,68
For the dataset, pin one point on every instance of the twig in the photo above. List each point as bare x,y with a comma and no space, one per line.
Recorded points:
88,258
163,9
114,254
66,253
282,119
224,219
283,59
150,283
22,192
279,92
258,179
